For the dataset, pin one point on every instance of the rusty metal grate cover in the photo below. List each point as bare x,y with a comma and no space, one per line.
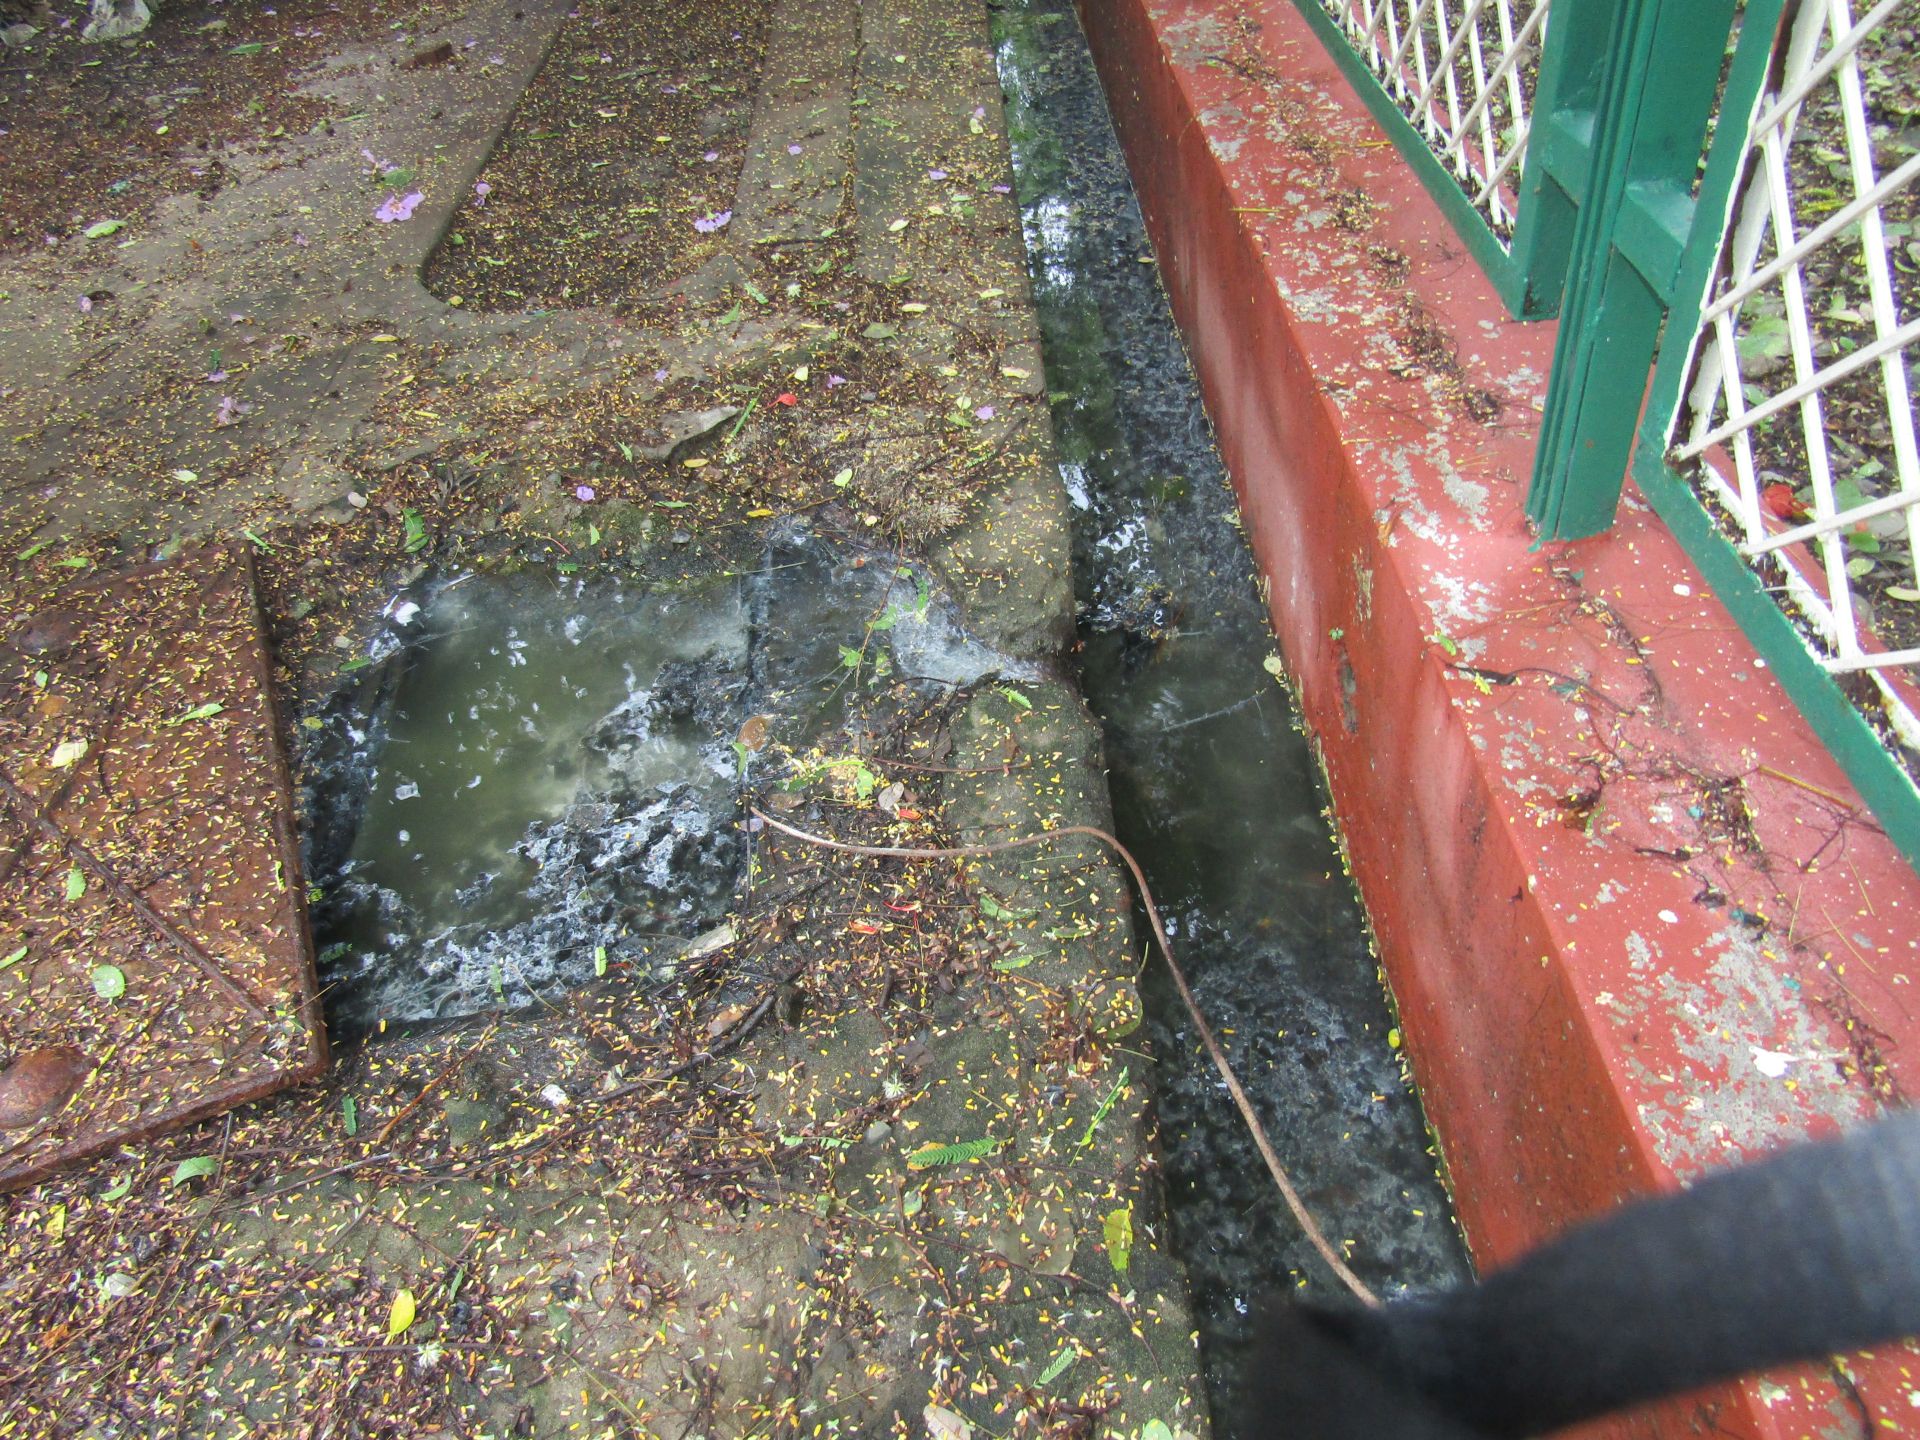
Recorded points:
155,965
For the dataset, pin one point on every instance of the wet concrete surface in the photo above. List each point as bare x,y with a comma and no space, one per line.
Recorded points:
1215,785
867,1156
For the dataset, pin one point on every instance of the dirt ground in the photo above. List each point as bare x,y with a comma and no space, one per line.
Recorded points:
877,1160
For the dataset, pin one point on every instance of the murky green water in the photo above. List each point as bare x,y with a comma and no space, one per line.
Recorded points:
1214,785
539,783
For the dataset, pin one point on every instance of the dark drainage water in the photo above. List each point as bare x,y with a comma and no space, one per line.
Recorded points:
536,781
1214,785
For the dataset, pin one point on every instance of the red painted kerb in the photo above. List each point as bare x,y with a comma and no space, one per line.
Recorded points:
1635,920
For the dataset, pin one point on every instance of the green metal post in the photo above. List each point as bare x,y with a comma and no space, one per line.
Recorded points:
1663,62
1559,149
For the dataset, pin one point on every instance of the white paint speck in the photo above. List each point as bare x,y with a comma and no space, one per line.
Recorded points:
1669,917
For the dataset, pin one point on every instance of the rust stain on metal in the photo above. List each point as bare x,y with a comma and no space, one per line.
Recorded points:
155,964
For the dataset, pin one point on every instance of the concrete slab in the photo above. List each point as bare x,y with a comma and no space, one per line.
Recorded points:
157,964
1636,922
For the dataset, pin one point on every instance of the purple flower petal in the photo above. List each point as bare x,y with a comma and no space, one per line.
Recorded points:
793,149
86,303
985,412
660,377
714,222
936,174
583,493
398,207
833,380
1003,189
214,377
300,238
481,189
711,156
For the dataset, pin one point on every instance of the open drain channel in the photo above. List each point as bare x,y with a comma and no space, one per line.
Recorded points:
1214,786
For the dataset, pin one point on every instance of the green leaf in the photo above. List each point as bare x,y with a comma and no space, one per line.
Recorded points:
593,533
350,1115
266,545
756,292
7,962
878,331
401,1315
1154,1429
199,712
844,478
119,1190
198,1168
599,959
1117,1229
251,47
68,752
109,981
1060,1363
76,883
1445,642
100,229
994,910
731,316
1763,336
959,1153
1014,697
418,538
1106,1105
672,504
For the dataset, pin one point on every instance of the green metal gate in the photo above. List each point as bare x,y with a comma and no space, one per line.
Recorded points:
1721,200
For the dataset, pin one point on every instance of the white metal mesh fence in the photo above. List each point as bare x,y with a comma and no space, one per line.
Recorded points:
1800,412
1462,71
